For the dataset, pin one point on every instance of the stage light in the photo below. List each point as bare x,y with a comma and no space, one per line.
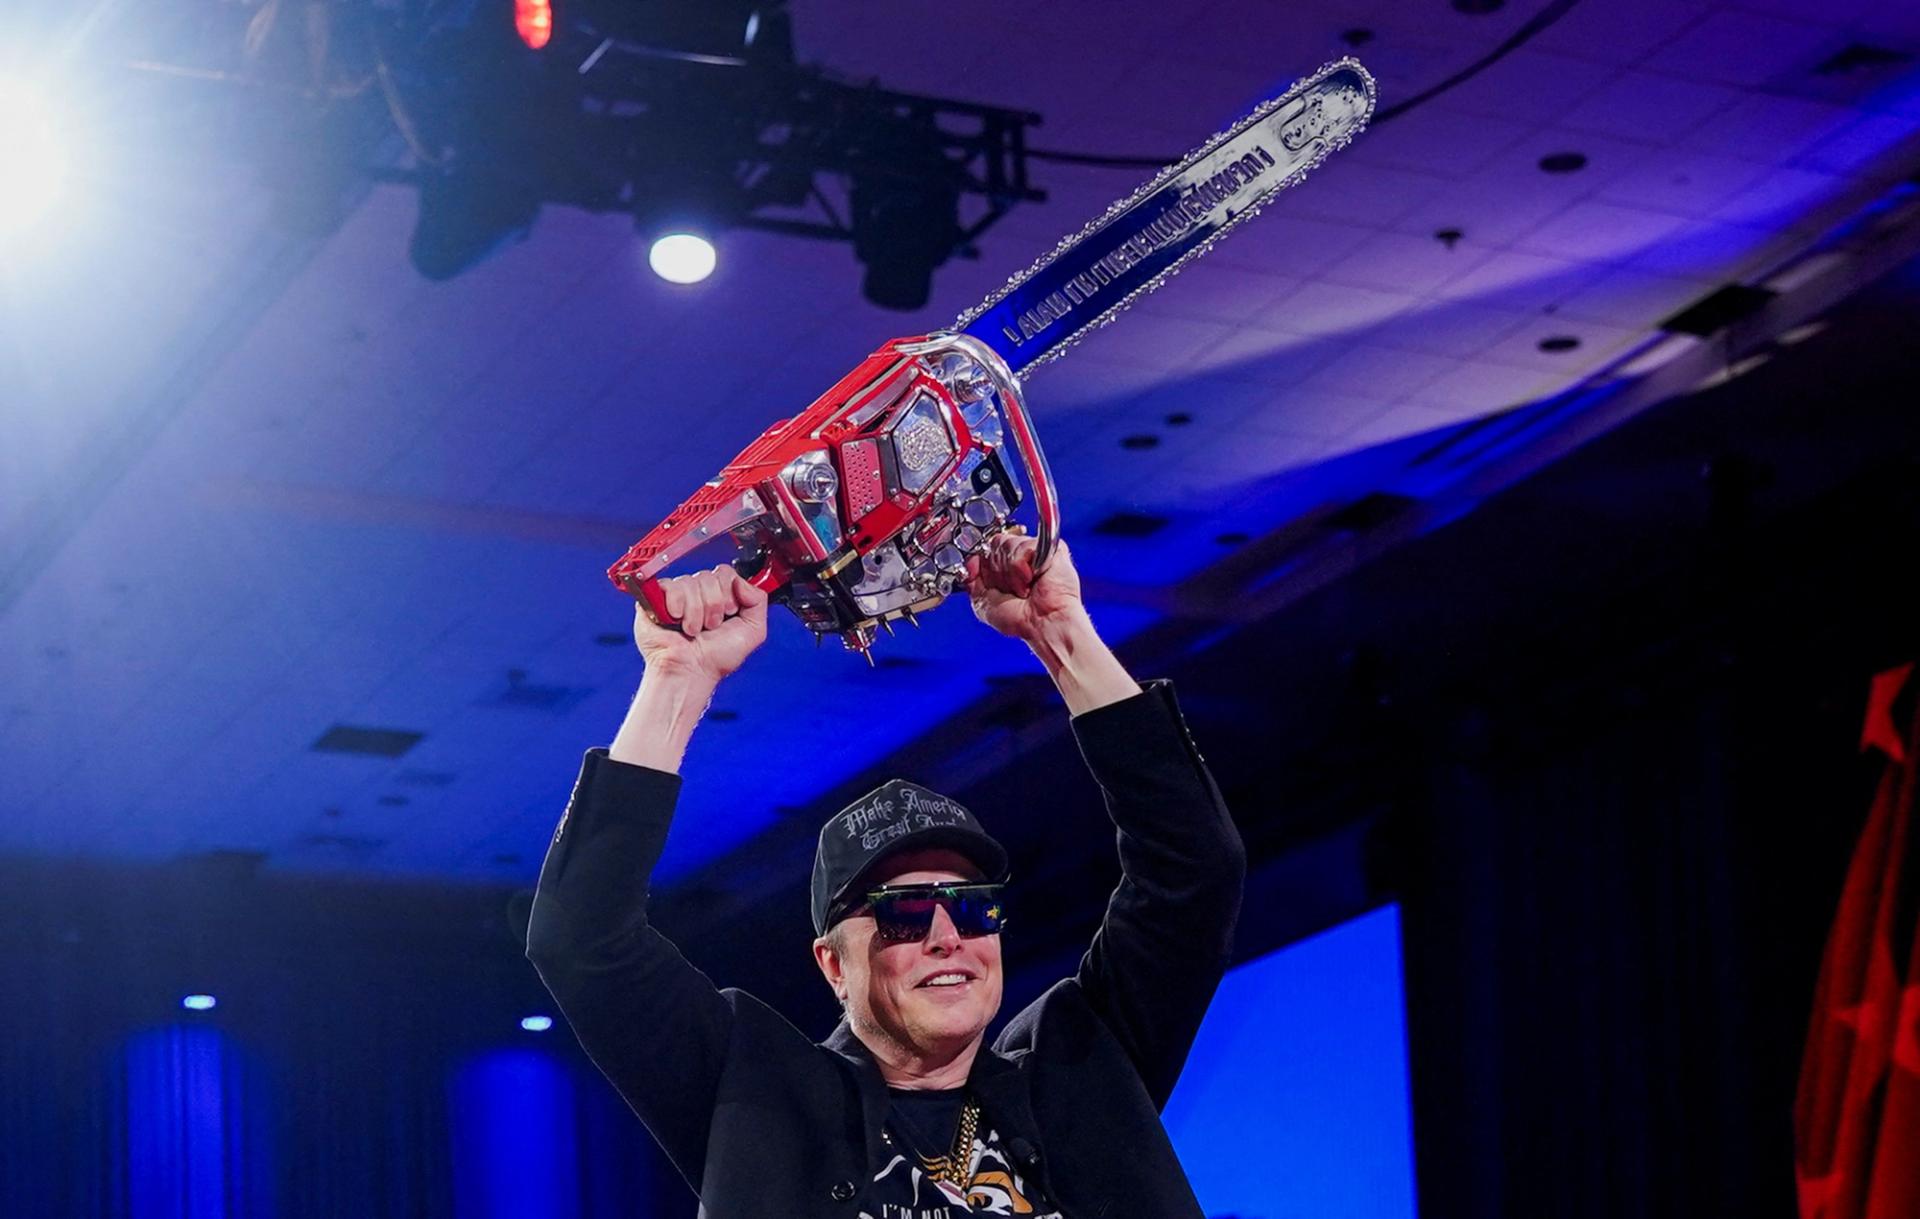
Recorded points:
902,229
533,21
682,258
199,1003
33,163
536,1024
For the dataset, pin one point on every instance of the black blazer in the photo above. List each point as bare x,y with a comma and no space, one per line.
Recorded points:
764,1122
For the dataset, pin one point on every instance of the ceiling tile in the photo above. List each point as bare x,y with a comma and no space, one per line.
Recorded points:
1211,290
1352,192
1686,183
1744,48
1484,386
1781,198
1397,423
1621,31
1495,208
1289,245
1598,344
1768,128
1829,12
1601,232
1269,356
1716,251
1380,373
1438,141
1402,263
1649,106
1511,280
1537,86
1863,148
1449,328
1321,308
1628,297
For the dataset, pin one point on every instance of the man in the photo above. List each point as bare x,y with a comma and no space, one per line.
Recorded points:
904,1112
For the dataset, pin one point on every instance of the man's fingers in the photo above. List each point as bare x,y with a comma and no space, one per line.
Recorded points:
752,602
693,614
713,603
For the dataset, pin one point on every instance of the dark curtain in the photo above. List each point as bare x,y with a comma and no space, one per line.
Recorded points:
1614,899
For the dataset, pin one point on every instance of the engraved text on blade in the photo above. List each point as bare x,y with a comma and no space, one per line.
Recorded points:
1189,209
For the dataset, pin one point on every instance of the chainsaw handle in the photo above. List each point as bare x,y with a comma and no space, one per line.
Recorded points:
1046,501
653,598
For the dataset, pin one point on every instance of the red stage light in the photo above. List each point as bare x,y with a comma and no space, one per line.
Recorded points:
533,21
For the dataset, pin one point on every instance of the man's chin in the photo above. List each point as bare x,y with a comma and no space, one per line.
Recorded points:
951,1027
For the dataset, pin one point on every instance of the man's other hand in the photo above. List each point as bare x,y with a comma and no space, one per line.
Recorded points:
723,618
1008,597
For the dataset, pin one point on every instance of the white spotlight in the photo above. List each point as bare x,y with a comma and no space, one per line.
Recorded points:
199,1003
33,164
536,1024
682,258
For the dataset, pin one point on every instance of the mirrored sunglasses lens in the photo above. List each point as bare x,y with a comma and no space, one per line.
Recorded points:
910,916
977,915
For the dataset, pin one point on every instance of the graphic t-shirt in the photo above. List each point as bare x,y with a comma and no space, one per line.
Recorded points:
926,1123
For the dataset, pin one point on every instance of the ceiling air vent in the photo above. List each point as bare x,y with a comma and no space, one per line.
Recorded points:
373,742
1860,57
1131,525
1718,309
1369,512
533,696
355,845
1017,713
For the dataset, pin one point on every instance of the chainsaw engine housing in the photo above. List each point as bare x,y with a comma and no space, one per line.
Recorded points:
864,508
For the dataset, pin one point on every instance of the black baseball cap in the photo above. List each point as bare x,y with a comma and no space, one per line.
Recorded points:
894,817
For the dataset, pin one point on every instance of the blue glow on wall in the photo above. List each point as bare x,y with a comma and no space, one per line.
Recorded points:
1294,1101
190,1125
515,1146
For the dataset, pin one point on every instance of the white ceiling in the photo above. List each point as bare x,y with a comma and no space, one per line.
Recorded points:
253,486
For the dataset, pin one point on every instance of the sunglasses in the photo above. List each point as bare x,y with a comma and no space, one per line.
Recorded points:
905,912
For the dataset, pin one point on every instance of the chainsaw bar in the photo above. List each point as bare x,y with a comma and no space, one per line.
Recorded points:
1093,275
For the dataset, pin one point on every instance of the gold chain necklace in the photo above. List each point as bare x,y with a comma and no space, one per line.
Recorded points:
956,1166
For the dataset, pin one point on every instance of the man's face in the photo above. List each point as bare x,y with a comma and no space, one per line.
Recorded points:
887,985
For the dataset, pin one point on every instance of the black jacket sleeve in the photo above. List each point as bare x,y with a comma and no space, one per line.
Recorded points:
653,1024
1165,940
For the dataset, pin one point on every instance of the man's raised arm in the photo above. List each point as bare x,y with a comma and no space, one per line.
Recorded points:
653,1024
1168,930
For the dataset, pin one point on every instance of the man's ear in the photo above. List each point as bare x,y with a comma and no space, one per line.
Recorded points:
827,956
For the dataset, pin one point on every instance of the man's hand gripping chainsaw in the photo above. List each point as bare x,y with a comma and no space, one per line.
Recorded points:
865,507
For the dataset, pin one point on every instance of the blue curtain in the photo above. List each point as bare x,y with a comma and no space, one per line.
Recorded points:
190,1136
378,1072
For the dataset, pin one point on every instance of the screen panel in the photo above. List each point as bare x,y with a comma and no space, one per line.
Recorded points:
1294,1101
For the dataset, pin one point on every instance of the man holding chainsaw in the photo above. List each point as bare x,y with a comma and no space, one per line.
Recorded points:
905,1111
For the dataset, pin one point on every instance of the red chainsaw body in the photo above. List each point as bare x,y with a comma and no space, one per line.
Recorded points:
864,507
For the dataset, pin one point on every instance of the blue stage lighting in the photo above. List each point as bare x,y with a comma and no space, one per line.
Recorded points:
199,1003
536,1024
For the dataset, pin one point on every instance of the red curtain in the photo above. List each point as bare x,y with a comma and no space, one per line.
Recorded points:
1857,1115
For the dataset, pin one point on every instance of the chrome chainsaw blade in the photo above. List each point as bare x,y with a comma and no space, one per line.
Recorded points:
1092,276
